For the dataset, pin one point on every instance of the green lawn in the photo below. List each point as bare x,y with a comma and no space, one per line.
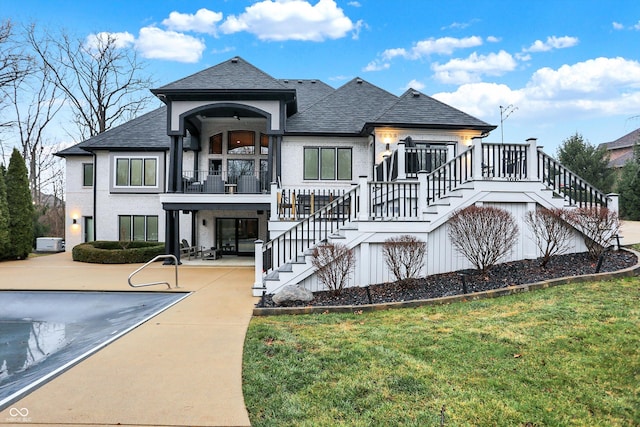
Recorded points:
568,355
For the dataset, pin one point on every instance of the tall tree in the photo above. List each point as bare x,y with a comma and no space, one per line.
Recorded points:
20,207
588,161
5,241
101,77
36,104
629,187
13,67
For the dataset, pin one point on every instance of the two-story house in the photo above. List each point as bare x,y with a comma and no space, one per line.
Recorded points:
237,156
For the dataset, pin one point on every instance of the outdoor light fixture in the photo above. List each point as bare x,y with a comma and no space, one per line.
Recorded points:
75,221
236,116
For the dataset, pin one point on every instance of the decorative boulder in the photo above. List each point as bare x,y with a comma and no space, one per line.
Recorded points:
292,293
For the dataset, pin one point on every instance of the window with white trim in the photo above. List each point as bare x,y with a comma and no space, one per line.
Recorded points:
327,163
136,172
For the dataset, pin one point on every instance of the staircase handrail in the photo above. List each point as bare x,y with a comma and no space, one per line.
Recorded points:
578,191
449,176
316,228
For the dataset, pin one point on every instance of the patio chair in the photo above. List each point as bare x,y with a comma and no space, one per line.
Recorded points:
186,249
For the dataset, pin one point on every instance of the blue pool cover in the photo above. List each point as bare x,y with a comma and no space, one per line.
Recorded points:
44,333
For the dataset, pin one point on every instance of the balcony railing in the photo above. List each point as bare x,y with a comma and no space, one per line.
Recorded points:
215,182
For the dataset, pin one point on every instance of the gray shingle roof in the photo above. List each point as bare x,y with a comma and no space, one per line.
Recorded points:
625,141
145,133
308,92
233,74
345,111
414,108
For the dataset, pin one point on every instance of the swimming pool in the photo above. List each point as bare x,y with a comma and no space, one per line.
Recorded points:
44,333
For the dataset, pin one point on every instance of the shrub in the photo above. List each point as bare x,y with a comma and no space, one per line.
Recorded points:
483,234
551,231
334,262
112,252
598,225
404,255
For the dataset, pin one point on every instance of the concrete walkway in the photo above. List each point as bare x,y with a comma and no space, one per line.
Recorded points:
630,232
183,367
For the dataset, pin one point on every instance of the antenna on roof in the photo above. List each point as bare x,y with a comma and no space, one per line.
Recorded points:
506,111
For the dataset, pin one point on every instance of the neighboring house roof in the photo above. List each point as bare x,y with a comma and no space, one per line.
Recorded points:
621,150
345,111
416,109
145,133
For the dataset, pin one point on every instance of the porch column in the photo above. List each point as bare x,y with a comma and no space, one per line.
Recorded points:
364,198
402,170
171,181
178,166
278,156
532,159
477,158
258,285
172,235
385,168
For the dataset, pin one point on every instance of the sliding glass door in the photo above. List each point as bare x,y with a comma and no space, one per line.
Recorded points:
236,236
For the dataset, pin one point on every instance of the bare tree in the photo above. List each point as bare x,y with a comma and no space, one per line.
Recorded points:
100,77
334,262
483,234
404,255
551,231
598,225
35,105
13,67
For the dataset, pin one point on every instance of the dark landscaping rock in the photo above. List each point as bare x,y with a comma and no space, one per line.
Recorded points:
449,284
292,294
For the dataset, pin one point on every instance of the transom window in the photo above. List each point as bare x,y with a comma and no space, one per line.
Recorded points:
327,163
215,144
138,227
136,172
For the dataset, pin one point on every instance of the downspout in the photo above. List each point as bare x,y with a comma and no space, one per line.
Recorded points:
95,184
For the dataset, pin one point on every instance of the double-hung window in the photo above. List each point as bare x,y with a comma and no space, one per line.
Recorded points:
136,172
138,227
327,163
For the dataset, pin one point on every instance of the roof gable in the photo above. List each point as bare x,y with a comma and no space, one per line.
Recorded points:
414,108
233,74
625,141
344,111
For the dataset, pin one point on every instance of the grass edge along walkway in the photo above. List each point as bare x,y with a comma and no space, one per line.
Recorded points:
564,356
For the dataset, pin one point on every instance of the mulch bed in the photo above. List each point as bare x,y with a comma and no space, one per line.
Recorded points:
448,284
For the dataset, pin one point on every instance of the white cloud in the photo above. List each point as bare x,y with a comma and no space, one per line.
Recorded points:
637,26
617,26
280,20
204,21
471,69
552,42
120,39
376,66
415,84
354,4
160,44
443,46
595,88
493,39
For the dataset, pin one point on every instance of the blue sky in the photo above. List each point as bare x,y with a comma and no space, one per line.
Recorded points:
563,66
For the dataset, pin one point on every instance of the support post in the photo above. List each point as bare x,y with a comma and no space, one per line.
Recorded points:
613,202
273,197
423,194
402,157
258,284
532,159
364,199
477,158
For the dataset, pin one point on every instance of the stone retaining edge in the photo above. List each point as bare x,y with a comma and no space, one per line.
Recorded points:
494,293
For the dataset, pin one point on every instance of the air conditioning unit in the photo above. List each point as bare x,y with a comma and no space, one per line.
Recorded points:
49,244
